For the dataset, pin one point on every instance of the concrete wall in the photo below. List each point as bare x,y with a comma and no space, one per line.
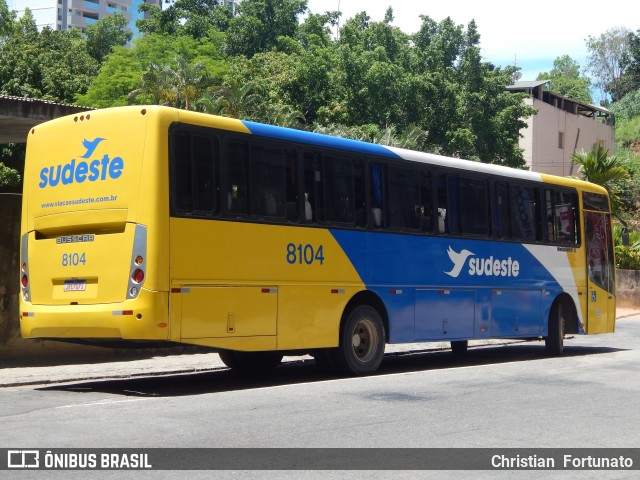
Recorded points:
542,152
628,288
10,208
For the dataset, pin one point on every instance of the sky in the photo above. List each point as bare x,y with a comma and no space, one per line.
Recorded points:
530,34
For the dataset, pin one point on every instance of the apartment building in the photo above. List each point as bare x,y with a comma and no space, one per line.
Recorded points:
66,14
561,127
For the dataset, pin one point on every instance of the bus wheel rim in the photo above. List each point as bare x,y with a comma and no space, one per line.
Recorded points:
364,340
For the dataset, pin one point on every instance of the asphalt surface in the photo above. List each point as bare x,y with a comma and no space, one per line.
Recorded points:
24,374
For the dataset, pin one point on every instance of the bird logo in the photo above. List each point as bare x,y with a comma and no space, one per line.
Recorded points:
458,260
91,146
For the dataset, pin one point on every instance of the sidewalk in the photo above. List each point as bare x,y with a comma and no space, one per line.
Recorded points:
183,363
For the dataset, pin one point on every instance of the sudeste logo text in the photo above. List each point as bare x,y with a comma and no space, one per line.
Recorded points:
80,171
487,266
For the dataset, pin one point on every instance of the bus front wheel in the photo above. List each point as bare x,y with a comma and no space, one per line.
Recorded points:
554,341
248,362
362,340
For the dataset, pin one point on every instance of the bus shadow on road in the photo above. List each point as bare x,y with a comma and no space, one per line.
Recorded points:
306,371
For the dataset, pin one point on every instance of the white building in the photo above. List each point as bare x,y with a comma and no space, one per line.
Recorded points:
66,14
560,128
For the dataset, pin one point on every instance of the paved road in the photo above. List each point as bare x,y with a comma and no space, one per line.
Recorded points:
502,396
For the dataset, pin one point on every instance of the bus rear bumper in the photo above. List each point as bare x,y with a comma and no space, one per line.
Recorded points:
145,318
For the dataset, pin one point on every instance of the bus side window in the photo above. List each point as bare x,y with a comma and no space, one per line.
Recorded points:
182,200
448,204
561,218
237,173
194,188
359,192
409,202
312,186
424,210
267,182
524,211
291,186
339,187
474,209
501,202
204,174
376,172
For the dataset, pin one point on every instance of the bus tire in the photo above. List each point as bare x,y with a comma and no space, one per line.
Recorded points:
459,347
362,340
248,362
554,341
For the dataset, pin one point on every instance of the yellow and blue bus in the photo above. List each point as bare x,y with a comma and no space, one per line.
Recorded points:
150,225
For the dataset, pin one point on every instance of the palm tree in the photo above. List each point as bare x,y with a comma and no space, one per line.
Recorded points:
597,166
156,82
189,82
235,99
177,86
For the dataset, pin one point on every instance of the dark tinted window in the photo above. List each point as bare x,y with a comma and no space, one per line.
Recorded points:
410,199
267,181
194,173
474,206
502,217
448,195
334,189
561,209
525,215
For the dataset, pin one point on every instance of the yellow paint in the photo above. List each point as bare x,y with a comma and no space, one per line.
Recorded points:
229,266
98,320
221,269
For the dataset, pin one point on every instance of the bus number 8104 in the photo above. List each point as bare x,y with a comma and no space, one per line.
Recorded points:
304,254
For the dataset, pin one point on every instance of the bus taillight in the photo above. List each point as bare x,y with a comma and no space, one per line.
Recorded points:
24,268
138,262
137,275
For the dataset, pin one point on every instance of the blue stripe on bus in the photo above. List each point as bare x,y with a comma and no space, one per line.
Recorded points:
319,140
429,299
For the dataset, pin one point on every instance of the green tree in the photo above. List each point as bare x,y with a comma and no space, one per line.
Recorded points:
178,85
608,60
631,77
566,79
107,33
53,65
192,18
11,164
122,71
9,178
6,20
235,99
66,67
597,166
315,31
259,23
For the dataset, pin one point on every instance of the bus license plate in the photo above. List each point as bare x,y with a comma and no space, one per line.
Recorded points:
75,285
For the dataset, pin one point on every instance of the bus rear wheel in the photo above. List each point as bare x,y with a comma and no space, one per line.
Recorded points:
362,340
248,362
554,341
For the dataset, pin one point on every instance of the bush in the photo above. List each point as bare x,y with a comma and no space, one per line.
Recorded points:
627,258
8,177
